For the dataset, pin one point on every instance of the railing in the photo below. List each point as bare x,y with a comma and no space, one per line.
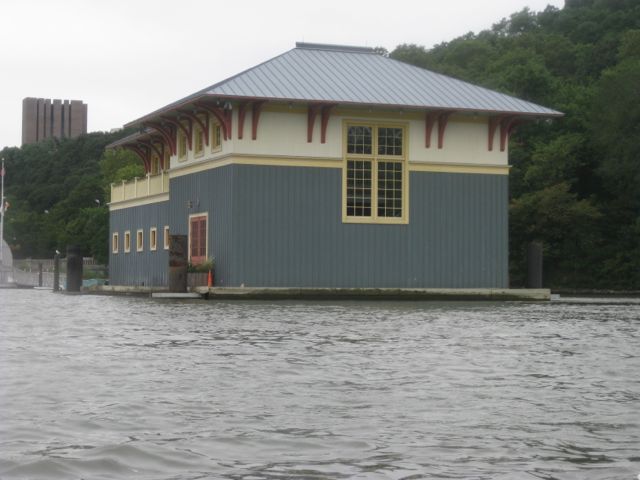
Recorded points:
140,187
32,264
32,279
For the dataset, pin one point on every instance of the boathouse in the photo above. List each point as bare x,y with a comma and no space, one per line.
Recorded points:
326,166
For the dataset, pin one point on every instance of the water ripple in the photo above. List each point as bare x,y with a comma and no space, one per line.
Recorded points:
104,387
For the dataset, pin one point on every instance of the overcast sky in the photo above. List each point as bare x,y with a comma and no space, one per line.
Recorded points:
126,58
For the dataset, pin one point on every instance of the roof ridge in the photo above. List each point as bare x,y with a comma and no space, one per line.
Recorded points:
335,47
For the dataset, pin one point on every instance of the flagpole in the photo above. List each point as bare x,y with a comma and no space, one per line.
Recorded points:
2,217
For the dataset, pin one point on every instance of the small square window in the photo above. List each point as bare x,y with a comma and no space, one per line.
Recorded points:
155,164
216,140
127,241
198,137
153,239
167,159
114,243
166,237
182,147
139,240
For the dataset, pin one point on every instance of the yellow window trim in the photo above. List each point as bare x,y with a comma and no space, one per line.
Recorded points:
198,142
201,214
155,164
216,137
115,242
165,237
182,147
127,241
153,239
374,158
139,240
459,168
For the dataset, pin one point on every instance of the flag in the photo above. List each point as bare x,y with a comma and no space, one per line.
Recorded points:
2,171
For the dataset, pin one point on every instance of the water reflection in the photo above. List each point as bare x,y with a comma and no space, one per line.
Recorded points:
102,387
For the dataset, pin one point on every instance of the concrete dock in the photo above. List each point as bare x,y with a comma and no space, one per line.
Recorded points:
466,294
252,293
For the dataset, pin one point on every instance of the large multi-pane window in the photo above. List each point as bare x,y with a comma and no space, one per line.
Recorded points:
375,174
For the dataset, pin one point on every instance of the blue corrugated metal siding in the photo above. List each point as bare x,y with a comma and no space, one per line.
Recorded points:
282,227
148,268
288,232
207,192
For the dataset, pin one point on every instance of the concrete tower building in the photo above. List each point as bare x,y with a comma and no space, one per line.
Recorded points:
44,118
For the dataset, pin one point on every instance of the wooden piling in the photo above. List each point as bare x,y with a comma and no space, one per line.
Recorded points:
534,265
178,263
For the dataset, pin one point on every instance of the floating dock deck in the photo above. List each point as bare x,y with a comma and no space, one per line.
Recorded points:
251,293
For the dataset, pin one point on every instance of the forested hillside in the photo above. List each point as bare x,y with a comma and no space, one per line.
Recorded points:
57,190
575,182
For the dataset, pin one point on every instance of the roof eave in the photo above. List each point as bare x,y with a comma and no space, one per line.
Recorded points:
129,139
190,100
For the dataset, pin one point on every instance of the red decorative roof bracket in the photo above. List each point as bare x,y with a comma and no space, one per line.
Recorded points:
443,119
256,110
188,132
144,155
149,145
493,125
167,134
223,116
228,115
312,112
429,121
164,167
242,110
203,125
507,125
326,113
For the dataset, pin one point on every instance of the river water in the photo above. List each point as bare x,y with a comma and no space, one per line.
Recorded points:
100,387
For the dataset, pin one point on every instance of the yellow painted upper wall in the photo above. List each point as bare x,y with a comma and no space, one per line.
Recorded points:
283,132
465,142
225,148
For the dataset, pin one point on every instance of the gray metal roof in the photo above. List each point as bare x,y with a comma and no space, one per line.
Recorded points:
358,75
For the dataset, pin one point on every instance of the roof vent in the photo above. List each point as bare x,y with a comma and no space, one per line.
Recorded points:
334,48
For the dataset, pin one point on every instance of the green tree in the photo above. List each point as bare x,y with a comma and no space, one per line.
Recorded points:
567,228
118,165
58,192
574,182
